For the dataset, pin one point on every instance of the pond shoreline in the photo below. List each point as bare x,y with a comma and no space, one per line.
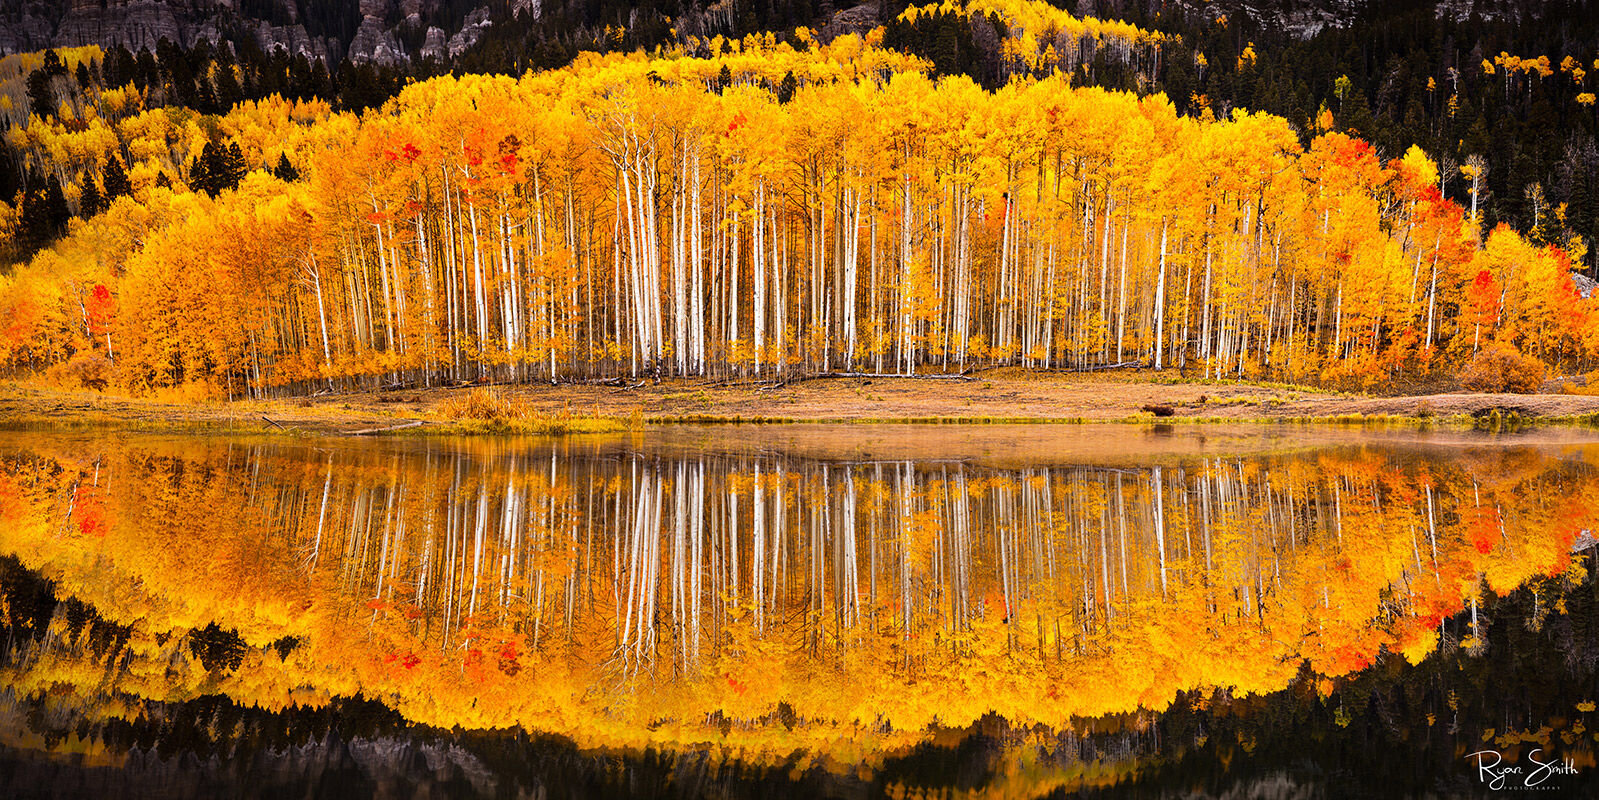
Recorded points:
993,397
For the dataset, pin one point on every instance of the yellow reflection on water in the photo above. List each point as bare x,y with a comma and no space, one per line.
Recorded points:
838,590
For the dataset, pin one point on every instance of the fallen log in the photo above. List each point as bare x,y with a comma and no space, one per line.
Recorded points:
1097,367
929,376
730,383
369,431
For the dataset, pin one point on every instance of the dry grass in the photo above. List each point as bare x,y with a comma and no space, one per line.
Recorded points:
34,404
486,410
484,404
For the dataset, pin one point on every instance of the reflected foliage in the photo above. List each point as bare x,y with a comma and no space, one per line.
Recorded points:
727,616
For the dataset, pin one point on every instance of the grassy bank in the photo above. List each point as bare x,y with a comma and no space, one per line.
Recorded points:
1385,421
997,397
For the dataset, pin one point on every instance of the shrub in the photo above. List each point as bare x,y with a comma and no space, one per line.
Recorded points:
1501,368
1582,384
85,370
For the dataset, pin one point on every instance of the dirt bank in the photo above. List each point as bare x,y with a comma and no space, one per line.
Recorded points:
996,395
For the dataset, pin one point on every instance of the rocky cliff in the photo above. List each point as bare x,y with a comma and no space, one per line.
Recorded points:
376,30
1305,18
312,29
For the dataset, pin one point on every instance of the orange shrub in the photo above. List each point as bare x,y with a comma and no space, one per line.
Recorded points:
1502,368
85,370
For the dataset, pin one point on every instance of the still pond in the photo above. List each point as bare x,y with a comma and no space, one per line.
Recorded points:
801,610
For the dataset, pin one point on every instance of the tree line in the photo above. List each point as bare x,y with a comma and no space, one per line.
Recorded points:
755,208
626,217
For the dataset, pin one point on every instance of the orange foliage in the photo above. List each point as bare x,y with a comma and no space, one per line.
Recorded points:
485,589
1500,368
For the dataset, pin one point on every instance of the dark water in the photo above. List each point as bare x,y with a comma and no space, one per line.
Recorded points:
801,611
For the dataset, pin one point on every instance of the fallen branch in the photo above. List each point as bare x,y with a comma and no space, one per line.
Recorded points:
273,424
484,384
369,431
730,382
617,381
930,376
1097,367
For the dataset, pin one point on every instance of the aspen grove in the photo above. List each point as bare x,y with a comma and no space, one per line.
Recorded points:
753,209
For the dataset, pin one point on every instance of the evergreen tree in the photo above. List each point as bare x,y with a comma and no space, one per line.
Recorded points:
205,98
200,179
786,89
41,98
115,180
146,73
232,166
90,203
285,171
179,77
320,84
119,68
218,168
10,177
299,83
227,89
56,207
946,47
34,225
52,64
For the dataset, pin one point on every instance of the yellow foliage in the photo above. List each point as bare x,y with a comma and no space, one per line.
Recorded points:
1424,168
473,586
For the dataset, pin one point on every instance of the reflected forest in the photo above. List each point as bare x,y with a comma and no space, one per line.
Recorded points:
740,617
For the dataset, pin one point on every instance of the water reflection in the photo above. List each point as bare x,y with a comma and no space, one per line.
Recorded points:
769,595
